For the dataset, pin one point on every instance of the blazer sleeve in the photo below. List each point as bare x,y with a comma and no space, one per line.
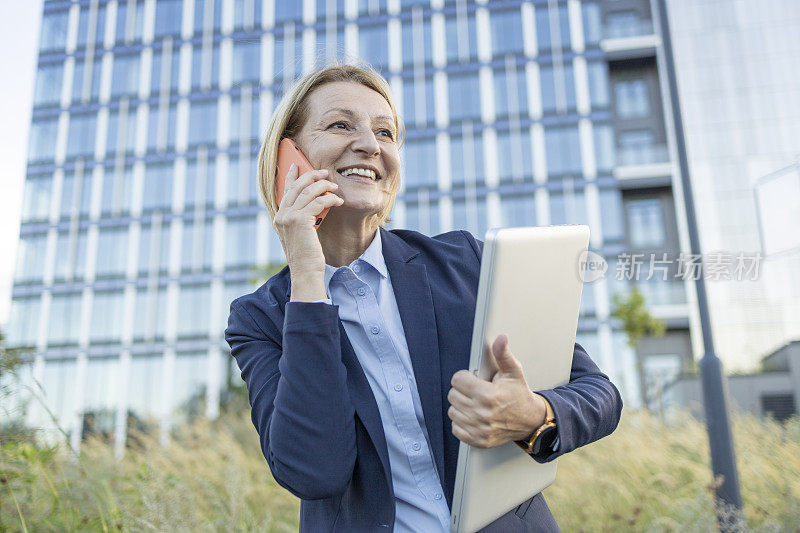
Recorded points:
586,409
296,383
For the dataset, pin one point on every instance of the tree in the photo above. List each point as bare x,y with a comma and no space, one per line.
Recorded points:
637,322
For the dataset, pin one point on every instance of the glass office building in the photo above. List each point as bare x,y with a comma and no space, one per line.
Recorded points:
142,219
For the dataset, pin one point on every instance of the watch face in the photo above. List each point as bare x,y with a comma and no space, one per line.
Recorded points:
545,440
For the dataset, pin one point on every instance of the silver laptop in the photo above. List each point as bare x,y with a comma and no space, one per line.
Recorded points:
530,289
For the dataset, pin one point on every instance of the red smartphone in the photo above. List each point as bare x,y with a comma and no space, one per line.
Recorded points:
288,153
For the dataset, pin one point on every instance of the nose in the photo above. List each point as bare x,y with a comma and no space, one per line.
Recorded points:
366,142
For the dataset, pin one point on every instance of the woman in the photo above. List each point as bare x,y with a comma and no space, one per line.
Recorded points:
354,354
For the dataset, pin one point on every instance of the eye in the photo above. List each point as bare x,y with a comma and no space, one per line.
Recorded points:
339,123
386,132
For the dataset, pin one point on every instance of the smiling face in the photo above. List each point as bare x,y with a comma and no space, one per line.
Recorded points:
350,132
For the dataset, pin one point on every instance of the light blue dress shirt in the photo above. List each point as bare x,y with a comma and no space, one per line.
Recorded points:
368,311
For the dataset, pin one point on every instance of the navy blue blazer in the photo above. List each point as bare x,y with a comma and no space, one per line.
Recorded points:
318,422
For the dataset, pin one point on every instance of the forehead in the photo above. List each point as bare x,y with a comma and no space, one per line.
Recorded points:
347,95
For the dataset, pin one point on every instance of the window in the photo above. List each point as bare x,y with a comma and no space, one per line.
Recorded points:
604,150
199,181
558,88
76,193
65,316
506,28
466,159
161,127
36,200
31,254
418,102
464,96
518,210
288,54
208,15
157,192
645,223
166,70
461,37
370,7
117,191
58,379
637,147
49,79
144,390
203,122
423,215
54,31
197,243
81,135
549,36
242,180
130,21
417,39
100,395
514,155
149,314
611,215
189,387
240,242
246,13
43,139
193,311
420,162
373,45
23,321
112,252
244,119
246,61
562,151
154,248
470,214
510,92
592,27
285,11
598,84
125,77
121,129
623,24
568,206
205,67
70,256
168,17
632,98
86,80
106,325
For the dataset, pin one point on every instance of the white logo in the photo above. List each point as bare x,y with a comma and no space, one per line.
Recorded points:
591,266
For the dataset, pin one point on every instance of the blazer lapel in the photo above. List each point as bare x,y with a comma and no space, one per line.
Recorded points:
414,301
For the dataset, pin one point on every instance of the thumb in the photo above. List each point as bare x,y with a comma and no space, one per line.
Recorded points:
506,362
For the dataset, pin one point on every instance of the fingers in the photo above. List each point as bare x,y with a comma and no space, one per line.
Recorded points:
312,191
318,204
458,399
295,185
504,359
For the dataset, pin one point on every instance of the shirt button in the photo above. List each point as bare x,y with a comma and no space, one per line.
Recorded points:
416,446
437,496
356,268
361,291
398,387
375,330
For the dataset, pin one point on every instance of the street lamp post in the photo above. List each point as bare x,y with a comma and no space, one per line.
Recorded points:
723,458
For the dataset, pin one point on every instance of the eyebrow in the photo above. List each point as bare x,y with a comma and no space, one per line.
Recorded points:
352,115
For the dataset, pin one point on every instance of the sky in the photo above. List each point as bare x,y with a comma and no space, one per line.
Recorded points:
19,39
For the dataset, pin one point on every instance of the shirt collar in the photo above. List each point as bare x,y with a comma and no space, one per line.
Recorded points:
373,256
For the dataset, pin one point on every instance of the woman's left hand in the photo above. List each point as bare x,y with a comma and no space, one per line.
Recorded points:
486,414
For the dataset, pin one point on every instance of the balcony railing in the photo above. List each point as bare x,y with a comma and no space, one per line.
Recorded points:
646,154
622,29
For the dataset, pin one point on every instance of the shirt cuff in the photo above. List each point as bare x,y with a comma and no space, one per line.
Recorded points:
325,301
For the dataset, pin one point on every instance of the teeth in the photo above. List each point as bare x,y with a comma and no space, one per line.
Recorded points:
360,171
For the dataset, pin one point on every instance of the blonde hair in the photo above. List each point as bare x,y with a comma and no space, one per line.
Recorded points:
292,113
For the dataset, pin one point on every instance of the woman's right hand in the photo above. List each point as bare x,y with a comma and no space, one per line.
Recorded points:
303,199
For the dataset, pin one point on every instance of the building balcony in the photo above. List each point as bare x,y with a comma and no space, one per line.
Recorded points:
643,162
629,39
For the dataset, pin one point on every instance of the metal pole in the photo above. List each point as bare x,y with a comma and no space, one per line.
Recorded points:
723,459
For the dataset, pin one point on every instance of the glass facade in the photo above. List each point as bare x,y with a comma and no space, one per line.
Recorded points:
142,218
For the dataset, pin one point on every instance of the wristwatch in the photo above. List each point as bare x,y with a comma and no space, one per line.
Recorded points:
543,437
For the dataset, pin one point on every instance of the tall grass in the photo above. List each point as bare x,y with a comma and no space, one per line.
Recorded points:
650,475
